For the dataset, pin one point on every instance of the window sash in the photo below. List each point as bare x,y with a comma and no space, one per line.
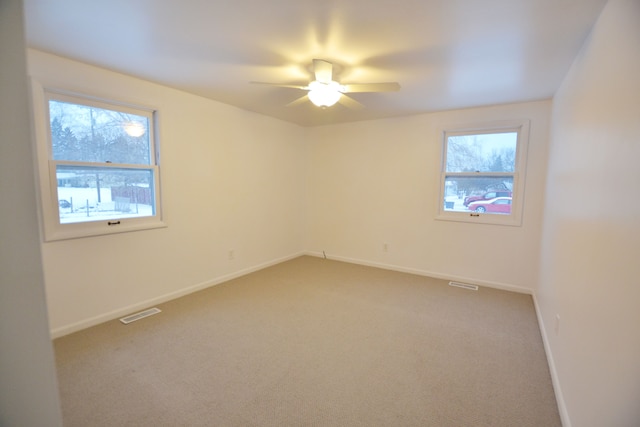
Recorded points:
88,101
100,214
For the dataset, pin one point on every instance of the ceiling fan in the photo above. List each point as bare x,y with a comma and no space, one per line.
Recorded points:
325,92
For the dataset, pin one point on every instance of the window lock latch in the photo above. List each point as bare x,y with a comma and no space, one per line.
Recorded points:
113,223
473,214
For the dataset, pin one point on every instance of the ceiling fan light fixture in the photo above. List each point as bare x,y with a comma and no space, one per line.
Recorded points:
324,91
325,94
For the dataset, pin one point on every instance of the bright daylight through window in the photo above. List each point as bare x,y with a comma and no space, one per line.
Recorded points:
482,174
101,168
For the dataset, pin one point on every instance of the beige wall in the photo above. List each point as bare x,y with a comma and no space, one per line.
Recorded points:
591,241
28,386
230,181
377,182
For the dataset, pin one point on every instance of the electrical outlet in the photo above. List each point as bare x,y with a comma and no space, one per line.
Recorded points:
232,255
557,324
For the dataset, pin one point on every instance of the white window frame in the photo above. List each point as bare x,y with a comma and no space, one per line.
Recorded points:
52,228
521,127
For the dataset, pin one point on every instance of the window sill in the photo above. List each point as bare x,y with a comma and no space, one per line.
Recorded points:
511,220
100,228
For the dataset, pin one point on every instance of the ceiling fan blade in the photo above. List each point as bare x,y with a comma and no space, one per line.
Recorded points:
298,101
372,87
323,70
279,85
350,102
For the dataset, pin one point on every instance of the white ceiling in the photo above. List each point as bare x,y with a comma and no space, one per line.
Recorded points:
446,54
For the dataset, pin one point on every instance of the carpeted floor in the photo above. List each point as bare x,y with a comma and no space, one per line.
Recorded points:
314,342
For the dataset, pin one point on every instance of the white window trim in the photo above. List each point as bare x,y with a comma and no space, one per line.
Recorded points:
52,229
517,203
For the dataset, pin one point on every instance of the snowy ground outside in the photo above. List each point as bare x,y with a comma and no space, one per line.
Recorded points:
85,206
458,203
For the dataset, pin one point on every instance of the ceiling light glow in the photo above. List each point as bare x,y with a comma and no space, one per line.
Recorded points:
135,129
325,94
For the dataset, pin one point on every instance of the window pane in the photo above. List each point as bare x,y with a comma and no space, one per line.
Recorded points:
467,193
96,194
491,152
91,134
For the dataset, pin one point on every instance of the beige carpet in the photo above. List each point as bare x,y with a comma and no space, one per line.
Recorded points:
314,342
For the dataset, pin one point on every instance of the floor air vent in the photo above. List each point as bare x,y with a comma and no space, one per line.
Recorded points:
464,286
137,316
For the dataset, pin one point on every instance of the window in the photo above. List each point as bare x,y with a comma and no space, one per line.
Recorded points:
482,177
98,166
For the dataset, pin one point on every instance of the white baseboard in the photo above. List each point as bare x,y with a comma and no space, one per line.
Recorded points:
562,407
115,314
419,272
